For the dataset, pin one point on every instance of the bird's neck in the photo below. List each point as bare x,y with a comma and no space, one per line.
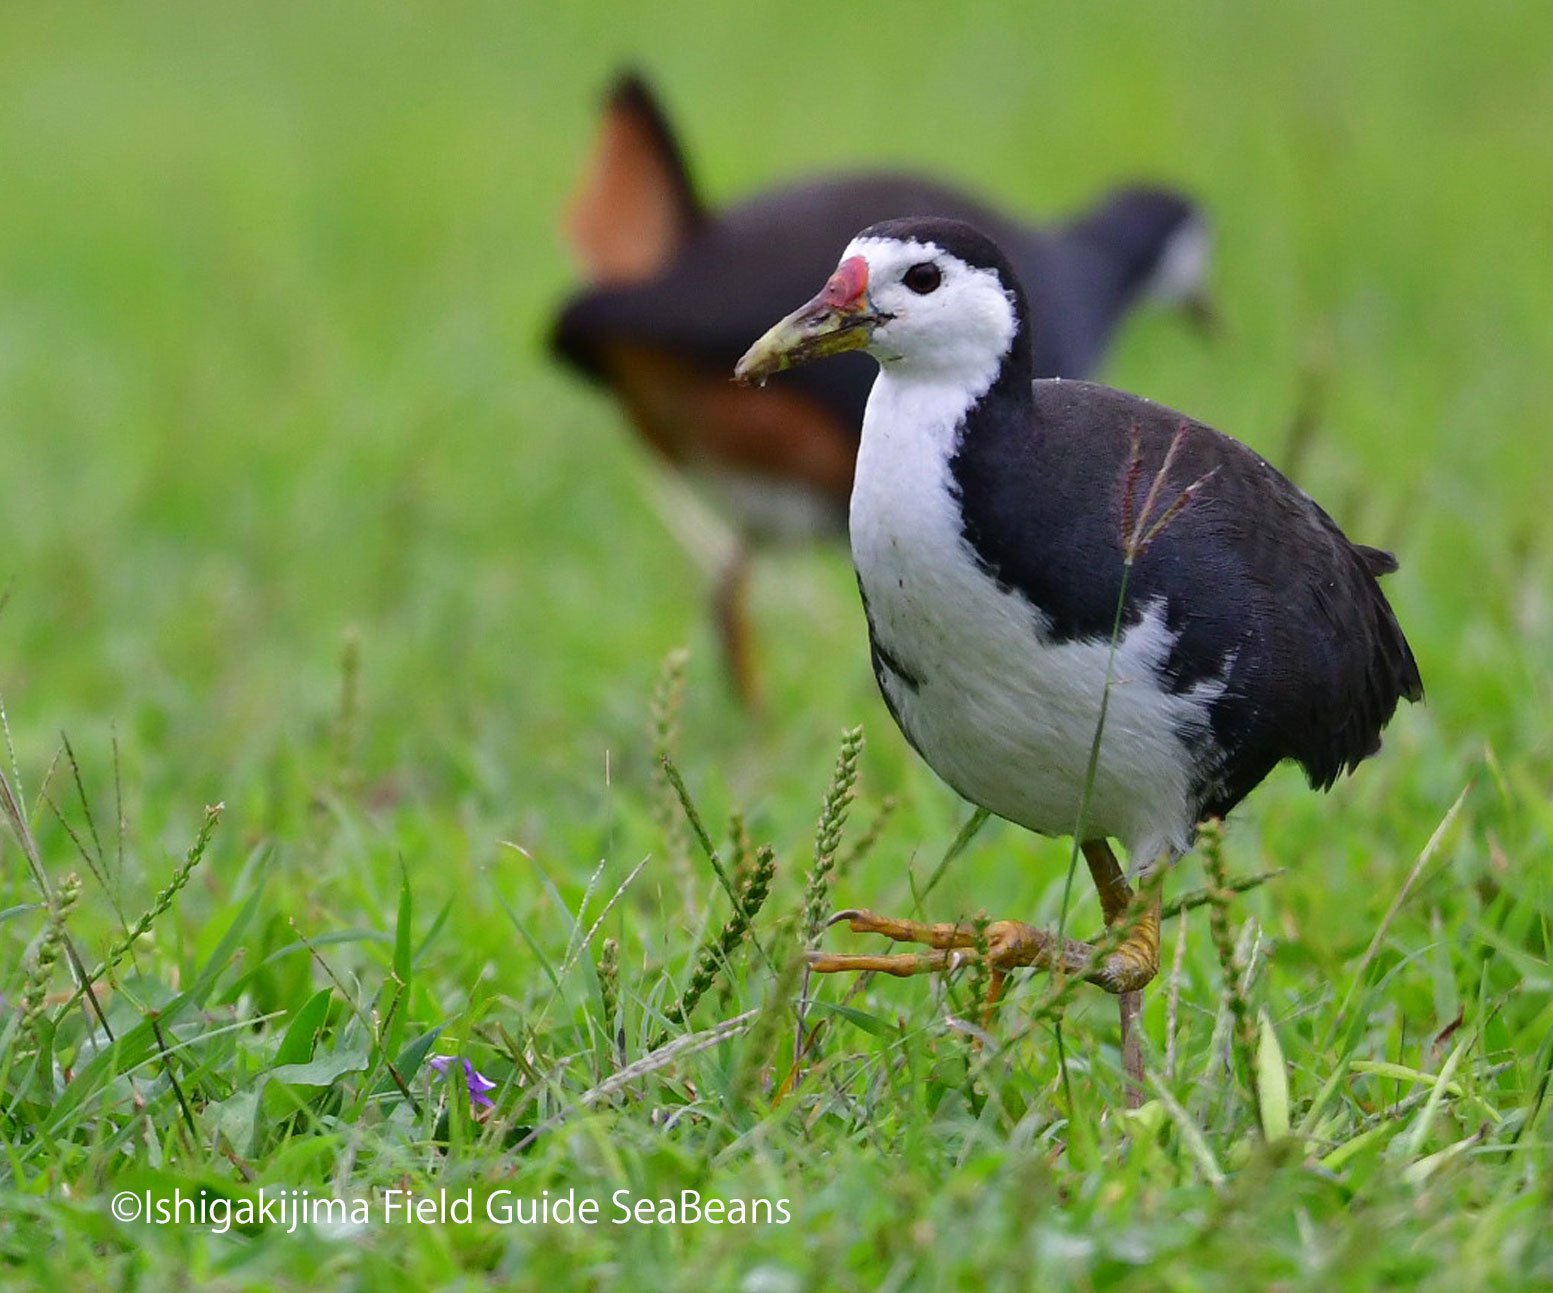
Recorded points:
922,407
917,418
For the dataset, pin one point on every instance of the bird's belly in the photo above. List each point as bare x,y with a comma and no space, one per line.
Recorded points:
767,509
1008,716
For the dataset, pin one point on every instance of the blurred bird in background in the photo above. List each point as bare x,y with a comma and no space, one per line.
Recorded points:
675,291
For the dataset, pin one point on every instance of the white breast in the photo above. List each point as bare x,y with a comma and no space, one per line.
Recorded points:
1004,714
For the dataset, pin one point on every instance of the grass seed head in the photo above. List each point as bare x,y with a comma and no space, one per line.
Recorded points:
827,837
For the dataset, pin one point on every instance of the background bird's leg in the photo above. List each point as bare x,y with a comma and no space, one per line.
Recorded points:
1115,900
733,627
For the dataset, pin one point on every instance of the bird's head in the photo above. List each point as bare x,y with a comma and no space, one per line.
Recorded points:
927,295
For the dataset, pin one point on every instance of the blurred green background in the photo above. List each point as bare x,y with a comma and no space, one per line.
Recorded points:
274,283
274,286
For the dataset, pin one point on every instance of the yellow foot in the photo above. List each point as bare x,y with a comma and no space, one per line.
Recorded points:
1009,944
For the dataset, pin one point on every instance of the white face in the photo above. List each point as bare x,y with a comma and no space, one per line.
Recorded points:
952,321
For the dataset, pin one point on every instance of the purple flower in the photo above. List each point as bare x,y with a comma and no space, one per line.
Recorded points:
476,1081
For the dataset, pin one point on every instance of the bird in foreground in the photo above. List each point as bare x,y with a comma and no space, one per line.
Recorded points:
1006,529
676,290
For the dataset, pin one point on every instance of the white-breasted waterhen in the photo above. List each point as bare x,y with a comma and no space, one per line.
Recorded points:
1026,547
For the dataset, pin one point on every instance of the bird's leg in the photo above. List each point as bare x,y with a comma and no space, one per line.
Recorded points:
996,982
1130,1005
1140,948
733,628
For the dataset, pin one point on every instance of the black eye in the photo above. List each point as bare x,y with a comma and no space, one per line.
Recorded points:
922,278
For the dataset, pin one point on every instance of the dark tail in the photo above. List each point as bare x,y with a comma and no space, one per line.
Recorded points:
635,204
631,95
1391,674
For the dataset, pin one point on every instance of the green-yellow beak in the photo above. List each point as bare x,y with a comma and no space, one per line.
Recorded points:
839,318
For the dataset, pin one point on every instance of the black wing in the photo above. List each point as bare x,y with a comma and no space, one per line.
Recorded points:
1261,587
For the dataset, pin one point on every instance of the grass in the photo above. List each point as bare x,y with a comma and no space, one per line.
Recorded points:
296,518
